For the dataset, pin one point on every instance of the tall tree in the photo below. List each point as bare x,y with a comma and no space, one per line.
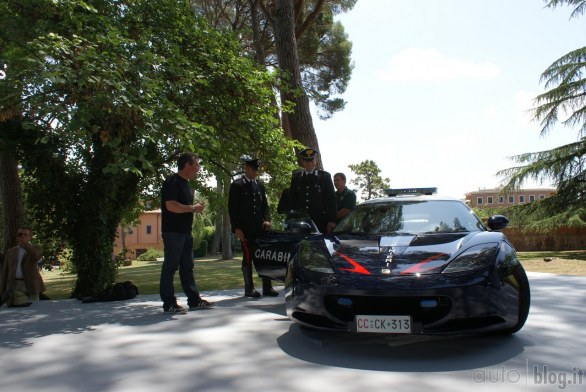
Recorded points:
318,69
11,200
323,47
368,179
13,211
298,120
323,51
565,166
110,93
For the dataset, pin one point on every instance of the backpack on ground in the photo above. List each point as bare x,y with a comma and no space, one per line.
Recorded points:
116,292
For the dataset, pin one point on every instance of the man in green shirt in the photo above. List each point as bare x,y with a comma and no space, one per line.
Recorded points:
345,198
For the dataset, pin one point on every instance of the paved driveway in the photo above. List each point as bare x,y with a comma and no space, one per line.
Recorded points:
250,345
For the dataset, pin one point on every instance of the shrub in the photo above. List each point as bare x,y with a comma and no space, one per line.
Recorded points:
150,254
65,263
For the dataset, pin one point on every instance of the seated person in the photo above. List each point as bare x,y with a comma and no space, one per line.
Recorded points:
21,282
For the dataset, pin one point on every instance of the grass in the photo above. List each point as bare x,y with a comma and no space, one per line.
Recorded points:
210,274
560,263
216,274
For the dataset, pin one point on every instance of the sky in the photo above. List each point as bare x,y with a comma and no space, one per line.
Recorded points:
441,90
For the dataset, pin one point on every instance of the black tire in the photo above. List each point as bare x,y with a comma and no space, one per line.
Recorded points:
524,301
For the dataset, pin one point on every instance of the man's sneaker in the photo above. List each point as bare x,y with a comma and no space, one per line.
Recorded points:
202,304
175,309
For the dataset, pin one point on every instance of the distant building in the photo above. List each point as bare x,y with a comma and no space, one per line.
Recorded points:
488,198
146,234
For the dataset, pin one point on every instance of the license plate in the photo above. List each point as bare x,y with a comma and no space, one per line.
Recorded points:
383,324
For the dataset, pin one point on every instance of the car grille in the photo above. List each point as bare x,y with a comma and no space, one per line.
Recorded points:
346,308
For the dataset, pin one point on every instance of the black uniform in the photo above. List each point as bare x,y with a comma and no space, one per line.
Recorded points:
249,209
314,192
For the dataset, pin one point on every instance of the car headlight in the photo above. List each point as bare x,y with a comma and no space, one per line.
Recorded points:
476,257
313,259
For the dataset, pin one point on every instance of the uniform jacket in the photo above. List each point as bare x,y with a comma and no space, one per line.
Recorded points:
248,206
314,193
30,271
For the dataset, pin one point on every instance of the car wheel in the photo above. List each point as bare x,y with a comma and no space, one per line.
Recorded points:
524,301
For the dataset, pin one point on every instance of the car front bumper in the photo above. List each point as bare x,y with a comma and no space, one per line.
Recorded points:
467,305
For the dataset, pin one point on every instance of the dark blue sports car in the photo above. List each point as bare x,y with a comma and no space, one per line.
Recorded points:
411,263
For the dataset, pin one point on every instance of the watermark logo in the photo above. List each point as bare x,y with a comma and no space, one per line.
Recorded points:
533,374
542,375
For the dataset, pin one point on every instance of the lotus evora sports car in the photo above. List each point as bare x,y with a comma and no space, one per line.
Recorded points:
411,263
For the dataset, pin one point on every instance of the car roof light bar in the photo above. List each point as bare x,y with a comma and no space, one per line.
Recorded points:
410,191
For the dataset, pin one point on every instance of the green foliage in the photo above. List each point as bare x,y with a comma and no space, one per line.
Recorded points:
122,259
201,223
323,47
103,96
368,179
565,165
540,216
150,255
564,101
580,5
325,57
65,263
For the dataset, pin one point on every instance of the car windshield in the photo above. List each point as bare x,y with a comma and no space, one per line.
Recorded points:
412,217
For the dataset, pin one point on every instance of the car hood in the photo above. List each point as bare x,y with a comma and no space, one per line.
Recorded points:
402,253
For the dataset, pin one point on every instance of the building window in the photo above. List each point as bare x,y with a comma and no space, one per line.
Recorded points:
130,231
501,199
521,199
541,197
511,199
531,198
489,200
148,229
479,201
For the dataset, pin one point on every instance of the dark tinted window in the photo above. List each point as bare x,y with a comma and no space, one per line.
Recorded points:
442,216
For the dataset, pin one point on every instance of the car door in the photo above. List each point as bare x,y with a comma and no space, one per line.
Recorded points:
274,250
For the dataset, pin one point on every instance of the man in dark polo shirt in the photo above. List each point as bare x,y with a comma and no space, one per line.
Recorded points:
312,190
345,198
177,211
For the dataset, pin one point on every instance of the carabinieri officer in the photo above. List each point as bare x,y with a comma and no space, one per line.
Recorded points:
312,190
249,217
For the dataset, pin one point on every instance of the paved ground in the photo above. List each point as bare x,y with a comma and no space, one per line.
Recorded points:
250,345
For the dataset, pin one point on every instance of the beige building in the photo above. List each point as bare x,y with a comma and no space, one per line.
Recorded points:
145,235
487,198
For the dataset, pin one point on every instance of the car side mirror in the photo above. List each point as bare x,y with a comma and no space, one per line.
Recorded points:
497,222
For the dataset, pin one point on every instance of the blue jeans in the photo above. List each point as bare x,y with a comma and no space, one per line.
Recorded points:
178,252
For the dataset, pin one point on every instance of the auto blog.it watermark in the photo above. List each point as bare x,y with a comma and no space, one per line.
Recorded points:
533,374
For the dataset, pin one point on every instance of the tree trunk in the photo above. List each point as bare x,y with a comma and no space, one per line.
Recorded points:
227,253
300,122
123,239
225,232
98,216
11,196
261,59
258,49
215,248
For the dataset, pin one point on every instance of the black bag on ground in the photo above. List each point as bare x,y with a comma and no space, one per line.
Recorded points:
117,292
